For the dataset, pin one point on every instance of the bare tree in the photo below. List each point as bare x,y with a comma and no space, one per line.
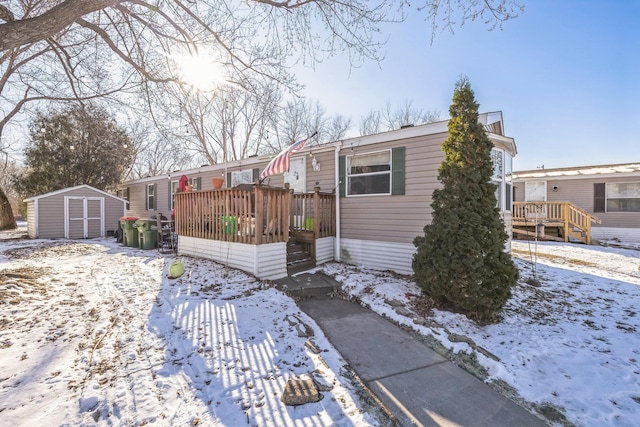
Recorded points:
370,123
299,118
406,114
337,127
391,118
62,39
9,200
226,124
62,50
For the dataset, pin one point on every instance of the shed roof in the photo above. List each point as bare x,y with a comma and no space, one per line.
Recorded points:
578,172
66,190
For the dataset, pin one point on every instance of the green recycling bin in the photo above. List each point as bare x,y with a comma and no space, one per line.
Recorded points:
129,231
229,224
147,233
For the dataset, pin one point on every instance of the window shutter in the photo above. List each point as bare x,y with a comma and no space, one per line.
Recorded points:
256,174
198,183
146,197
228,183
398,155
170,196
599,197
155,197
342,175
126,194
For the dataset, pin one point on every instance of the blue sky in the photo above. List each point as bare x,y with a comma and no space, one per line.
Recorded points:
565,74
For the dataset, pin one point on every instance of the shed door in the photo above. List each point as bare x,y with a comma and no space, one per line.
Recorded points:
84,217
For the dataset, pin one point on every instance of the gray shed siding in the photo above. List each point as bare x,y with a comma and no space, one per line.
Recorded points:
51,217
580,193
396,218
31,219
50,222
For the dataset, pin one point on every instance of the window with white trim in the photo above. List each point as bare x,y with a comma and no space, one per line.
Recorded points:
241,177
623,197
501,177
369,173
175,186
508,179
174,190
151,197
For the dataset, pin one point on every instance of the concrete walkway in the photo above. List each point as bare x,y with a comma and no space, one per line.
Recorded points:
417,385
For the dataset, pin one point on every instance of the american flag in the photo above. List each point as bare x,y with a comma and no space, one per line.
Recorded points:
282,162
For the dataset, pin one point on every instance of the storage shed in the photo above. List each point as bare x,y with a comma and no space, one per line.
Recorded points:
81,212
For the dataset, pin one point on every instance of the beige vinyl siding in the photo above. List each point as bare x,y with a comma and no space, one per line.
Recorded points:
137,190
114,209
518,191
136,200
396,218
580,193
325,177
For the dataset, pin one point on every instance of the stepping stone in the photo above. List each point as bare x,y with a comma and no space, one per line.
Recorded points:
300,391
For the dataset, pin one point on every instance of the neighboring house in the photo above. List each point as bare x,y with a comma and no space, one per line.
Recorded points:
611,193
384,182
80,212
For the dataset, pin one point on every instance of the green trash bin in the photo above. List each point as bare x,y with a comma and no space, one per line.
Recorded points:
129,231
147,233
229,223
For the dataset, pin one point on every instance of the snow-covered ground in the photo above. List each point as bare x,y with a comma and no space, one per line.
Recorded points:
93,333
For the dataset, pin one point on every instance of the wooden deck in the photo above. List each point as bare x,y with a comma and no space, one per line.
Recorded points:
255,215
557,221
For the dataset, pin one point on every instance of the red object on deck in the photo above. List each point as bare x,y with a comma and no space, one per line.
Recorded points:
182,184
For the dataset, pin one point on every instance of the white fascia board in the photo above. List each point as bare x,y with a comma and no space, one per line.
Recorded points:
66,190
250,161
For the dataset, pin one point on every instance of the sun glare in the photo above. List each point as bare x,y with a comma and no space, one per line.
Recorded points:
202,72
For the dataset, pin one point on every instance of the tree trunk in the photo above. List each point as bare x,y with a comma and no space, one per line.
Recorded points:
7,220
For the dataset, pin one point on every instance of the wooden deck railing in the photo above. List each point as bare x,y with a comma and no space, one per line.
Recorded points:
573,220
314,212
256,216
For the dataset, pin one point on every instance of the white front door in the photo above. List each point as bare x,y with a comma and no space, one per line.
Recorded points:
83,217
297,175
535,191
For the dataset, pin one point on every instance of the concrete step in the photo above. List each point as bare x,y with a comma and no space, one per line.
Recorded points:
308,285
298,266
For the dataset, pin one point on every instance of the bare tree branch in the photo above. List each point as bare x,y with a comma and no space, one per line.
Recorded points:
17,33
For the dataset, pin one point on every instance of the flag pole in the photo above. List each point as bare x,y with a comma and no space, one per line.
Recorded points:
280,163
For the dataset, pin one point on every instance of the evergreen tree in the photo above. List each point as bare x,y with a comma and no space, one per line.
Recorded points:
461,259
79,145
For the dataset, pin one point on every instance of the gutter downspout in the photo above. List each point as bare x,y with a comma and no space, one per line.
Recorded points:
336,249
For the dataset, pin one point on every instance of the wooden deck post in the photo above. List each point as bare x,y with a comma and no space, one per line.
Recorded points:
259,214
565,216
316,212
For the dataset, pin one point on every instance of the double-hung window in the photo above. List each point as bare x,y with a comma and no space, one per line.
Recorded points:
151,197
175,185
623,197
369,173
